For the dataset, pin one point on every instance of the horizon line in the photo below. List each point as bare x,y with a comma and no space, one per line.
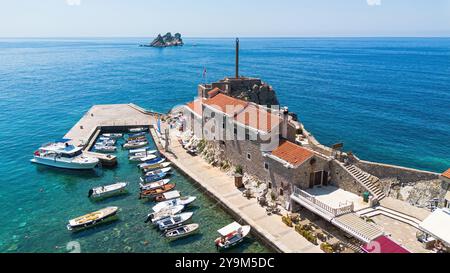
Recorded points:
225,37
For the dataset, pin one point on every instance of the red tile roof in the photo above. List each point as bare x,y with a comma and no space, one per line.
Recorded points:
258,118
292,153
226,104
214,92
446,174
196,107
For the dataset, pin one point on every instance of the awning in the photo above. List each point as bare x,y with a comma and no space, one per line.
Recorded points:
383,245
437,225
360,229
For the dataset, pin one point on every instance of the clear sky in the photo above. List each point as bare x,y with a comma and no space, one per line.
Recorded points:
224,18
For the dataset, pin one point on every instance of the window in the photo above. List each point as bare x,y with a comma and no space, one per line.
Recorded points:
249,156
266,166
247,136
270,185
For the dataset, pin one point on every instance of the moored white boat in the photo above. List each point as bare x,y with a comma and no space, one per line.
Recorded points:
143,151
63,155
108,190
168,196
158,216
185,201
139,158
174,221
182,231
136,135
135,145
92,219
105,148
231,235
113,136
104,138
137,130
156,172
148,158
154,185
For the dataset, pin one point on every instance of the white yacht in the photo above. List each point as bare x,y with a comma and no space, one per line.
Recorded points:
63,155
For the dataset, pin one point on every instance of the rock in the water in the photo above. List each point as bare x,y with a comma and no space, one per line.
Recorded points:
167,40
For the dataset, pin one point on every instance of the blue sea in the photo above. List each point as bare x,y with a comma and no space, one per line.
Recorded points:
387,99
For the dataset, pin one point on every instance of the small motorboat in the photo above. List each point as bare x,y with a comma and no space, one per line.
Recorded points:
142,150
156,167
139,158
136,135
109,142
135,145
154,185
231,235
136,139
156,172
152,193
137,130
65,156
174,221
92,219
158,216
185,201
151,163
103,138
141,153
108,190
105,149
112,136
167,196
148,158
153,178
181,232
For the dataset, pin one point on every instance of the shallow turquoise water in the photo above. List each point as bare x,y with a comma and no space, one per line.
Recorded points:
387,99
62,194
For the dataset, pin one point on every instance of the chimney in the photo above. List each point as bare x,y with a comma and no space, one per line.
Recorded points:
237,58
285,122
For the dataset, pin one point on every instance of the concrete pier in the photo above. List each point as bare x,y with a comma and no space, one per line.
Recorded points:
108,118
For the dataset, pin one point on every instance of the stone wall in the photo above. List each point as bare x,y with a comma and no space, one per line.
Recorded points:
402,174
278,175
250,89
344,180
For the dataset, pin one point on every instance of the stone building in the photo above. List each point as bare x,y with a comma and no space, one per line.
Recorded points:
261,140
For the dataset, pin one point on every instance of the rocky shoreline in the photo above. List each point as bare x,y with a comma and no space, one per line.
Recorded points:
166,41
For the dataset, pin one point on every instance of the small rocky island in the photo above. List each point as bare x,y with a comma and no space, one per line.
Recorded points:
167,40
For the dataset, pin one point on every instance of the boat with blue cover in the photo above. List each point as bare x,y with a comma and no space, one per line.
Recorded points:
153,178
150,163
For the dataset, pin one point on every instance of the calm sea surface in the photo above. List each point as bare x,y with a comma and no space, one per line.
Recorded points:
388,100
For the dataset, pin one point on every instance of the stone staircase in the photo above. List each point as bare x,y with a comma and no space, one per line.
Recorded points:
369,181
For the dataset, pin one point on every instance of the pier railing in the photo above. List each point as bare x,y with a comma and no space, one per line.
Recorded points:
319,204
